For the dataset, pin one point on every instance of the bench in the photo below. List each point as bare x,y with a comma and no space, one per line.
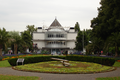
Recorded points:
63,61
20,60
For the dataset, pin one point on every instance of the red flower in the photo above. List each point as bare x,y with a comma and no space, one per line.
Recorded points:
118,60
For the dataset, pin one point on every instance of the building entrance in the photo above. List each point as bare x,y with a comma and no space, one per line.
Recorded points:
56,51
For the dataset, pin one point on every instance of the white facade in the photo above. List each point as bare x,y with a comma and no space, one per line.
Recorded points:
55,39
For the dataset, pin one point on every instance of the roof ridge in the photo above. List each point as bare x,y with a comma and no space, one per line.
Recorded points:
55,23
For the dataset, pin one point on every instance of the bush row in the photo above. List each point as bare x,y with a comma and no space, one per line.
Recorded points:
35,59
99,60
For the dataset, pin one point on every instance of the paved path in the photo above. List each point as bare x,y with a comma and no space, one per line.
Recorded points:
49,76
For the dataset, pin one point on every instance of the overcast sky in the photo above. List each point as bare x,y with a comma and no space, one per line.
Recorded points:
17,14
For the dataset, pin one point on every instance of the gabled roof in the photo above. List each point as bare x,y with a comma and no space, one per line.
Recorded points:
55,23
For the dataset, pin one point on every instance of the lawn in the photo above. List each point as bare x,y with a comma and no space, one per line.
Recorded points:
109,78
57,67
10,77
4,63
116,64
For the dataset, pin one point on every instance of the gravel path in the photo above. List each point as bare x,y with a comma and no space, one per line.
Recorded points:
49,76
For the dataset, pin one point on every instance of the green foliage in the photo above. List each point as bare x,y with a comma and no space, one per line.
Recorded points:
88,33
99,60
106,24
16,40
4,38
22,46
86,38
13,61
79,40
27,40
77,27
78,43
31,29
44,52
35,59
108,19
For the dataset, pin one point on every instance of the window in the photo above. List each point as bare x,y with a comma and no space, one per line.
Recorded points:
51,35
48,35
57,35
62,35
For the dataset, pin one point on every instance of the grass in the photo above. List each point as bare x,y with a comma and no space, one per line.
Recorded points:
116,64
57,67
4,63
109,78
10,77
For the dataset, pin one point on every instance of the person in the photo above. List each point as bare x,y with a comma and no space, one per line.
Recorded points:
11,52
101,52
66,52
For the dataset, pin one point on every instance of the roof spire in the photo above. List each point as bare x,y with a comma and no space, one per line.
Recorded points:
55,17
55,23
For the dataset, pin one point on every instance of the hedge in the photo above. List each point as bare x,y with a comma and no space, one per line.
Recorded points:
99,60
35,59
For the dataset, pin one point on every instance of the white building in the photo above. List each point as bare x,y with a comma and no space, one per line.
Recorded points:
55,39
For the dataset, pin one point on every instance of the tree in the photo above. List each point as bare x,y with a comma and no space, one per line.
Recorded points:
108,19
88,33
31,29
4,38
78,42
22,46
107,22
114,40
17,40
77,27
27,38
81,40
85,37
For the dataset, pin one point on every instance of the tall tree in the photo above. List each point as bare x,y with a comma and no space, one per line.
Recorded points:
114,41
78,43
108,19
27,38
31,29
77,27
4,38
17,40
81,40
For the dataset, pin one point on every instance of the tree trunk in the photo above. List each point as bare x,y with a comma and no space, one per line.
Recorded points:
0,50
116,50
15,49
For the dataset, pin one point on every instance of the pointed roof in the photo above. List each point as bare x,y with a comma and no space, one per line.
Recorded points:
55,23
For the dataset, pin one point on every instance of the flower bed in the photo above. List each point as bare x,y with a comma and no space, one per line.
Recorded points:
57,67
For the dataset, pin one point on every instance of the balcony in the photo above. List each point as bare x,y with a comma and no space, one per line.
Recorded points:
55,46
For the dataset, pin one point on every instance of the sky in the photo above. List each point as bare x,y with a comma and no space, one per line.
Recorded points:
15,15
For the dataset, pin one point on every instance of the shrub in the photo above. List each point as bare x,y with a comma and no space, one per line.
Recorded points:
35,59
0,58
99,60
13,61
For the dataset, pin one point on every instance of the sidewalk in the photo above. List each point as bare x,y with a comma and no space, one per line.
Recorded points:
49,76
